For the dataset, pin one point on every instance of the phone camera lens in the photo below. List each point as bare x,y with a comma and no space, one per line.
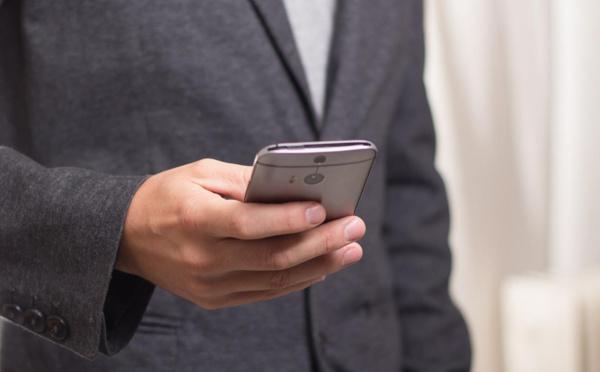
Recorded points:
320,159
314,178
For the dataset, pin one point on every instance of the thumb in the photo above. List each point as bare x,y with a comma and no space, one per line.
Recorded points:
226,179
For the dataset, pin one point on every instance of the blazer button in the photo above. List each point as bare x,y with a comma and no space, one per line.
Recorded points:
57,328
13,313
35,320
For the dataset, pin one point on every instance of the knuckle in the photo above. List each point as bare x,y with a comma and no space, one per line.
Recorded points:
195,262
238,225
277,259
205,163
279,280
189,218
326,242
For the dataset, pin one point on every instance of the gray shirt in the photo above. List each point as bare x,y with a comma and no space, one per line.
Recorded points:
312,25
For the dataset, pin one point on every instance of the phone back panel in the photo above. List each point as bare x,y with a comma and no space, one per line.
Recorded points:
333,178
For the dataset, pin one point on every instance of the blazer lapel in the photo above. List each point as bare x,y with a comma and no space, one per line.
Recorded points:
273,16
364,47
363,51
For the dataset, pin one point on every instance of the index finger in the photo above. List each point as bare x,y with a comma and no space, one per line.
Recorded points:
226,179
248,221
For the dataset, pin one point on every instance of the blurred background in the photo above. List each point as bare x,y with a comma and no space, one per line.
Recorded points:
515,91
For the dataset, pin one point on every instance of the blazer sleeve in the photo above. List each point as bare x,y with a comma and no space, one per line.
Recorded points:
435,337
60,230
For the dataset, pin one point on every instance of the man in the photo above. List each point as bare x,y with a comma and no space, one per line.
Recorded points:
106,269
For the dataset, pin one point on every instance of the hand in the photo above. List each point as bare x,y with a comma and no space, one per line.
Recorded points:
188,231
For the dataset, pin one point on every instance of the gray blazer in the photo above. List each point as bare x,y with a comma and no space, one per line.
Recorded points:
96,94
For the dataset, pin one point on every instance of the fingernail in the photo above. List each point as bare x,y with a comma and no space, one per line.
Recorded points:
354,230
315,214
352,255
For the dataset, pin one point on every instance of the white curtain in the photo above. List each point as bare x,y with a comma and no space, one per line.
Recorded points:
515,90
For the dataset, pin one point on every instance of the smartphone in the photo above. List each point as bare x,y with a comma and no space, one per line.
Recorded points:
332,173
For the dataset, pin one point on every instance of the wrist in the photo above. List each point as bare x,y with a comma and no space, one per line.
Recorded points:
132,234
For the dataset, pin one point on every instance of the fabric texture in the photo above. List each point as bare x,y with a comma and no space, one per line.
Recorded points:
94,96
